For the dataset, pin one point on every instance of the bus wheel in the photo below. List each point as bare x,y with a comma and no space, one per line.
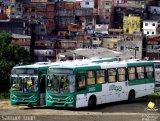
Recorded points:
131,97
92,102
30,106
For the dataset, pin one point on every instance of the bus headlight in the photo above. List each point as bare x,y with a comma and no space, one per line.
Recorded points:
70,99
14,97
49,98
33,98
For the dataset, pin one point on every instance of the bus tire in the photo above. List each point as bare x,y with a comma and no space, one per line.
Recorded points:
92,102
30,106
131,96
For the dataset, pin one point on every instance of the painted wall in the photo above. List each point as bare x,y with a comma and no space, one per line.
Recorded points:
131,24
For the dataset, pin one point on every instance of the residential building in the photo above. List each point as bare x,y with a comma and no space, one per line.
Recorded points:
153,47
150,27
96,41
3,12
16,26
131,3
105,12
131,24
21,40
17,8
110,42
44,50
131,44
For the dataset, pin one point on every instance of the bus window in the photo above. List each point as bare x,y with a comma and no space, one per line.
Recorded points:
131,73
149,71
121,74
140,72
91,78
81,81
100,74
112,75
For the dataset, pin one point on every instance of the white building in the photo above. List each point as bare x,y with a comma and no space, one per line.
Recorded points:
150,27
87,4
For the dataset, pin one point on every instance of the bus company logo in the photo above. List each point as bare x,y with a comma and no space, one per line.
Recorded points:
92,89
151,107
116,88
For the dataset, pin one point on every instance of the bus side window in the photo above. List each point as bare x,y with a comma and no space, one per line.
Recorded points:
42,84
100,75
81,81
91,78
131,73
149,71
140,72
112,75
121,74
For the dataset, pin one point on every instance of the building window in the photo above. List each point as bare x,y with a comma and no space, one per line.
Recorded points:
153,24
33,10
152,32
146,24
42,29
86,3
107,4
147,32
121,47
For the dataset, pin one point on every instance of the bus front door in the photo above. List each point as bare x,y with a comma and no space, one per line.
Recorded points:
81,100
42,90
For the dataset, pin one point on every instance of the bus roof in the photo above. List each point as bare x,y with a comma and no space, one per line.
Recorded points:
72,62
113,64
38,65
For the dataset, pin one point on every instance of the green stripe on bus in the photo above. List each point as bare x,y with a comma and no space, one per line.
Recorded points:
136,64
143,81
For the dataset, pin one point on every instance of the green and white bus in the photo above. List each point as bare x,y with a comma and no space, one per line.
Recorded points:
75,86
28,81
27,84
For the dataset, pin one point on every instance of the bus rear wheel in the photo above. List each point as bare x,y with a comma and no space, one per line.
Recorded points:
92,102
131,97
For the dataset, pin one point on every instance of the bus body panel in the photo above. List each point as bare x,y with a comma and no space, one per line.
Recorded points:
29,99
111,91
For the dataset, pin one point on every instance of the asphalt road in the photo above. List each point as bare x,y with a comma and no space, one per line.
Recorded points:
119,111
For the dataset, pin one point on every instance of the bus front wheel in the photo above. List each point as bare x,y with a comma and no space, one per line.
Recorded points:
92,102
131,97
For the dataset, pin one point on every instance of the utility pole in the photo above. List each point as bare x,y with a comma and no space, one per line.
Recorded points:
33,38
135,50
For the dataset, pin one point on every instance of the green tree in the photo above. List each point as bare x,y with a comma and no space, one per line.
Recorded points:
10,55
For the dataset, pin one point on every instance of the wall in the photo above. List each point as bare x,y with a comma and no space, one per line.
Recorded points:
87,4
131,24
149,27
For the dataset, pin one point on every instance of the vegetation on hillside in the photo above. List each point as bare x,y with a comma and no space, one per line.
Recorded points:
10,55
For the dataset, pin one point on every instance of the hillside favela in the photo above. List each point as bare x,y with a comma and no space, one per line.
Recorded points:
91,60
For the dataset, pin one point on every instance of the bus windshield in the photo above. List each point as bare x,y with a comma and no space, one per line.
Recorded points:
61,83
24,83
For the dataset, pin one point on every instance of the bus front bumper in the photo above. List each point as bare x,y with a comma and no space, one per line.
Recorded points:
60,102
29,101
